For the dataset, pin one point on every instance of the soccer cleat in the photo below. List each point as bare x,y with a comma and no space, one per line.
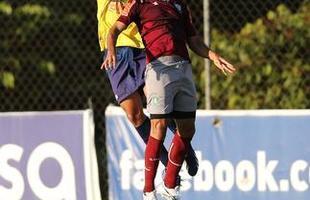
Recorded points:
170,193
191,162
178,181
149,195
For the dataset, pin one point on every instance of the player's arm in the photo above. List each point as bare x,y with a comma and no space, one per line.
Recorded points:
110,60
129,14
197,45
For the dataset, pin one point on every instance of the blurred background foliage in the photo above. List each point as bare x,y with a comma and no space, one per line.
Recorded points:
50,58
273,59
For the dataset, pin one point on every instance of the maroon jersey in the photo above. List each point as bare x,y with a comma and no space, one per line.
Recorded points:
164,25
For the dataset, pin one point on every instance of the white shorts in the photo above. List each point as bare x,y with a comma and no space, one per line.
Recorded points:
170,89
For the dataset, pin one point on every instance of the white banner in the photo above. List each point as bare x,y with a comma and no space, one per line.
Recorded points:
48,156
243,155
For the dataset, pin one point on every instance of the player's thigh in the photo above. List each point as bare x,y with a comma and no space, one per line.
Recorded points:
185,105
186,127
133,106
159,92
186,99
128,75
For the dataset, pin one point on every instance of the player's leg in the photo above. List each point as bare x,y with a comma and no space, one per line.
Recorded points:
152,152
191,160
126,80
159,105
184,106
186,101
133,108
178,150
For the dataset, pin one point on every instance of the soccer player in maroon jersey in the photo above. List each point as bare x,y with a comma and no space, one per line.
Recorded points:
127,77
166,28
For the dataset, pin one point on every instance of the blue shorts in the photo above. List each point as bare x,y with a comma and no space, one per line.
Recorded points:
128,75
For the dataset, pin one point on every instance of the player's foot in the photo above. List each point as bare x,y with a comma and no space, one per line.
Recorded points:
178,181
170,193
191,162
149,195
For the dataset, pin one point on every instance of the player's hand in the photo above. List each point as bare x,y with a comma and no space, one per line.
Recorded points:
221,63
109,62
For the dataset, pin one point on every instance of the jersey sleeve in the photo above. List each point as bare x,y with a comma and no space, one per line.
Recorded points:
129,13
190,29
101,5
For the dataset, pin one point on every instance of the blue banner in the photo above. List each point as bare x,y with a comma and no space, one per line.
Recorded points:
48,155
257,155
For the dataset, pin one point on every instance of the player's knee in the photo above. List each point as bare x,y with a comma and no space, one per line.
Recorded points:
187,130
159,127
136,118
160,124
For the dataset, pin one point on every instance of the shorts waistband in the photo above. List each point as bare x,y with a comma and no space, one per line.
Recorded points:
168,60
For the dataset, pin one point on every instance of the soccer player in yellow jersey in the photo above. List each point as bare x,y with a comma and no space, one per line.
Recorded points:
127,78
108,12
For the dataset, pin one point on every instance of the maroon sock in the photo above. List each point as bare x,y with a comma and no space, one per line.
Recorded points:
152,154
176,155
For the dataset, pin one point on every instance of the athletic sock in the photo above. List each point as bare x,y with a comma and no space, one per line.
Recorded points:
144,131
176,155
172,126
152,152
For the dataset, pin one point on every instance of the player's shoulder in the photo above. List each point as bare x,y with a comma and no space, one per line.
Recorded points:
129,7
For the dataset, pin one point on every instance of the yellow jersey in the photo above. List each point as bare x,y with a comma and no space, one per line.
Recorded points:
107,14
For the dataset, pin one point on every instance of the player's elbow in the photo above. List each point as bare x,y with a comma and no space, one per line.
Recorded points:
113,32
192,43
117,28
